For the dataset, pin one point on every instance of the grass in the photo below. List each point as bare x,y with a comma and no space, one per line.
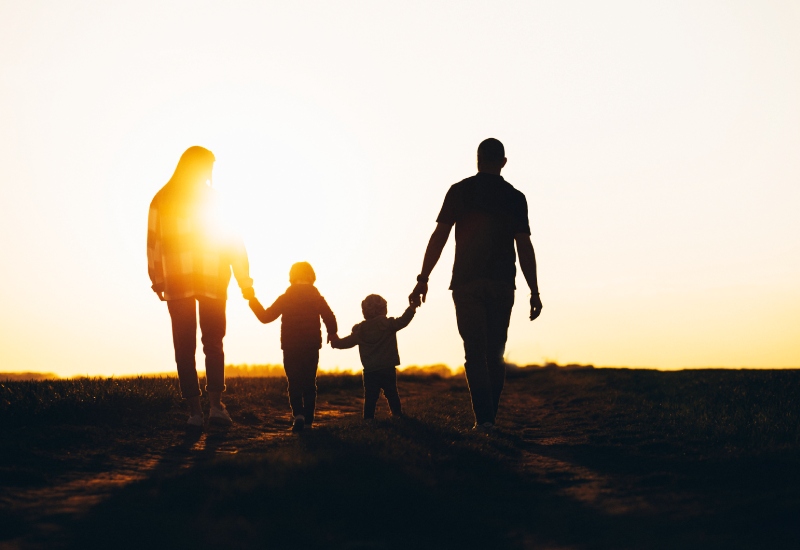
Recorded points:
608,458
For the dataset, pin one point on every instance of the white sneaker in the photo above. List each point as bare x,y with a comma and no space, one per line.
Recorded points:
195,421
220,417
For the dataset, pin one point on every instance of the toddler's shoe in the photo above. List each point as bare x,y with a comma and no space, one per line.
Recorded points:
299,423
220,416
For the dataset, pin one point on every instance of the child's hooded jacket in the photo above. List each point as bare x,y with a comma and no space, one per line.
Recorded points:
376,339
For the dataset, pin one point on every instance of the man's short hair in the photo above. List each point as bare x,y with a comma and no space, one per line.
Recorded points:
491,150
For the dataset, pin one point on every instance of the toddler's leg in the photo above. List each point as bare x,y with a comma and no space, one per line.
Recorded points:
292,364
372,390
390,391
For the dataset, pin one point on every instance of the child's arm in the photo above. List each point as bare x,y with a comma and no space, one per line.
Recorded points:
267,315
328,318
399,323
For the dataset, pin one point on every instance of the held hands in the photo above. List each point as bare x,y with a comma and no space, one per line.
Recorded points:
536,306
248,293
333,340
417,296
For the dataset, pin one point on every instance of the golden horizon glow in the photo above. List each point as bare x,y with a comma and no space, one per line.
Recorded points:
656,145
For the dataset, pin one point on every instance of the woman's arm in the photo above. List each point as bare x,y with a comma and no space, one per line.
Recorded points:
155,265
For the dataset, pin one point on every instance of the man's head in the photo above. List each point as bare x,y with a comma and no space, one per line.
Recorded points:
491,156
302,273
373,306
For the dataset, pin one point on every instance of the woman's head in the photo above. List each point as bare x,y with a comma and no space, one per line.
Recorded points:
194,167
302,273
182,193
373,306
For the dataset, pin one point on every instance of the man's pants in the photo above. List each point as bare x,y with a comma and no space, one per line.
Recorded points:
374,382
184,337
301,370
483,312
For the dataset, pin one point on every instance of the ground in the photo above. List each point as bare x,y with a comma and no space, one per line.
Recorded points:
596,458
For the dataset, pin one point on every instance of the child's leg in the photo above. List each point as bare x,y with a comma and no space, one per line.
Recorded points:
390,391
372,390
310,385
293,365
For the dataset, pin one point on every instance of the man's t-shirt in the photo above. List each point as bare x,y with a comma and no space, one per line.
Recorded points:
487,212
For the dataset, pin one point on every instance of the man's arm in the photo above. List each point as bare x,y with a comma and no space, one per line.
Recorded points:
432,253
527,263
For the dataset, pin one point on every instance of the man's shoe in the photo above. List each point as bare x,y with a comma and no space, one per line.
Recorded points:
220,417
299,423
485,428
195,422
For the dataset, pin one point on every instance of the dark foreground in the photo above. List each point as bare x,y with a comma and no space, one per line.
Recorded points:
582,459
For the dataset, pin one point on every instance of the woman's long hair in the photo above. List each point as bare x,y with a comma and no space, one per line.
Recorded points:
185,188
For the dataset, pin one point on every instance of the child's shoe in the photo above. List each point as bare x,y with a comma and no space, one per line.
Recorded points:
299,423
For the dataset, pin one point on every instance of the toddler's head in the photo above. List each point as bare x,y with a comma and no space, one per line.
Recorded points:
302,273
373,306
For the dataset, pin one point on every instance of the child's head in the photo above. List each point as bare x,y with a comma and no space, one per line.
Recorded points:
302,273
373,306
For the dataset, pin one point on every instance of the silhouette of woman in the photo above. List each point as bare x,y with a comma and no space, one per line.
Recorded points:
190,254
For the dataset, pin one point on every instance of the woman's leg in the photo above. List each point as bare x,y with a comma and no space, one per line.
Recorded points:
212,328
184,338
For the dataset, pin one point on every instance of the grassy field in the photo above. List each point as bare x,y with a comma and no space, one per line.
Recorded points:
582,459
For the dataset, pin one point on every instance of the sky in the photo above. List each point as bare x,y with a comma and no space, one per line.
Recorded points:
656,142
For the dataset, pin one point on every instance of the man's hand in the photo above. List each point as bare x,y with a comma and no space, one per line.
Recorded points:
333,340
536,306
418,295
248,293
160,293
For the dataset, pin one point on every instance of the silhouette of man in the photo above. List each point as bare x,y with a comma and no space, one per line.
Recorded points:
490,216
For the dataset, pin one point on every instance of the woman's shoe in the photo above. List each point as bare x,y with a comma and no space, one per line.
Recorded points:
195,422
220,417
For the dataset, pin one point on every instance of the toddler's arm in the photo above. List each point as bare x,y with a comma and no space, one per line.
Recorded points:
347,342
398,323
267,315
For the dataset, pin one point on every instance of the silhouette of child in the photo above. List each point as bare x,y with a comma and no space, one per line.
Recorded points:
376,338
301,307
